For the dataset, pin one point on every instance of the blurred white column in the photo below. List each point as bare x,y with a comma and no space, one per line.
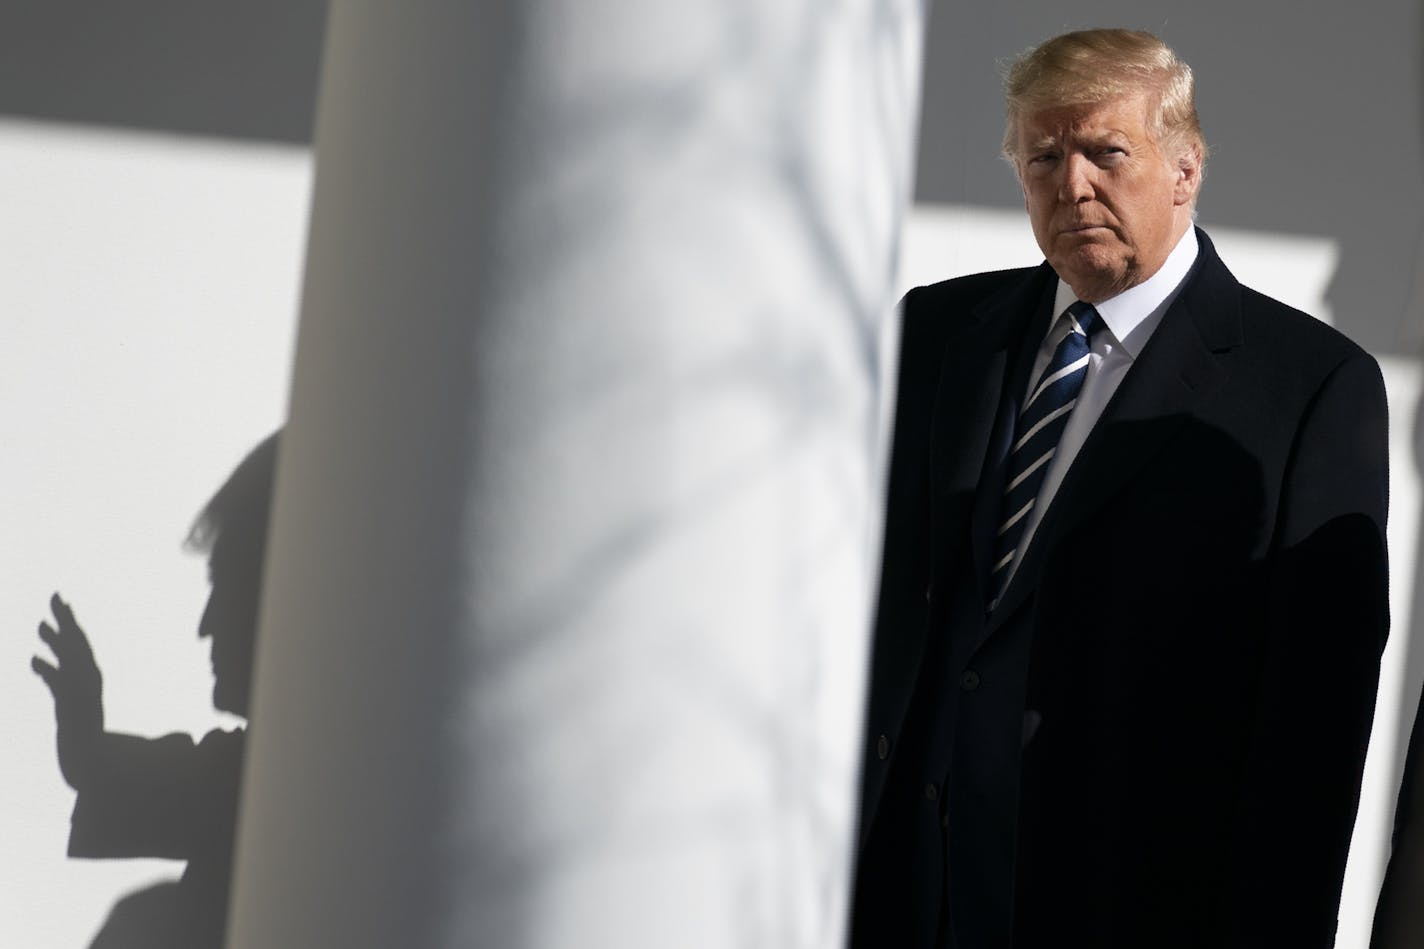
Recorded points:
578,510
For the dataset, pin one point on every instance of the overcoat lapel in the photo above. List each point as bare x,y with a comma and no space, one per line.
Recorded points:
1177,369
975,405
967,403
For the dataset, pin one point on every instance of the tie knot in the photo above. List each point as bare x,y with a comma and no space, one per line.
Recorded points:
1084,318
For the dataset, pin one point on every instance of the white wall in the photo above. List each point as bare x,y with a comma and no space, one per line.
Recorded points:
148,292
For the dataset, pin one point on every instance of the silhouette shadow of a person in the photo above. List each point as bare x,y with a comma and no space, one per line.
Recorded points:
169,797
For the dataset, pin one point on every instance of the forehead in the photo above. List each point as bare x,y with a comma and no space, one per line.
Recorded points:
1121,116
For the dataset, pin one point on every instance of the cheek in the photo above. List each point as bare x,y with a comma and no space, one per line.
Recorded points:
1039,208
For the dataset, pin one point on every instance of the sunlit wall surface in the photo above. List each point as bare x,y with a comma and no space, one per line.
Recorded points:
148,292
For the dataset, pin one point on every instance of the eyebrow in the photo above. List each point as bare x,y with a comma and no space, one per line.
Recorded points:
1105,137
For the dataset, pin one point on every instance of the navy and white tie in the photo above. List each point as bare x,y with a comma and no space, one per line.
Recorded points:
1040,425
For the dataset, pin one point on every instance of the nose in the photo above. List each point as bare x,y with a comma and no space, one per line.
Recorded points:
1077,182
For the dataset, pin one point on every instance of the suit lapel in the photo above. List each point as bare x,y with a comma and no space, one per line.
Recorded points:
972,383
1177,369
1012,362
969,419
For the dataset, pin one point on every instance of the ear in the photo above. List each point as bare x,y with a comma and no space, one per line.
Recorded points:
1189,174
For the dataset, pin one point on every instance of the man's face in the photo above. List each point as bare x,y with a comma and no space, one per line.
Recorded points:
230,621
1106,205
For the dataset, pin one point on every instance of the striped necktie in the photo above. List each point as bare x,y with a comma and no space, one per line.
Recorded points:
1040,425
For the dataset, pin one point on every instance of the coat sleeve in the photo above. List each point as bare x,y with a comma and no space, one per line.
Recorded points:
1327,616
159,797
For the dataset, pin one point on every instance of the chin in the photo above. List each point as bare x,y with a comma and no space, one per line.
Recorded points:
1094,268
225,701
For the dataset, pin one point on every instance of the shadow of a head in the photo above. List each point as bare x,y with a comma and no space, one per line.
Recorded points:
232,531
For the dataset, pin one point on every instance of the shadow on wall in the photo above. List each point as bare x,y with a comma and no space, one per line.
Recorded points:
246,70
169,797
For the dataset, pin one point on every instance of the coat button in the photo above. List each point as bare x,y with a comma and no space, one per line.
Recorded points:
931,792
969,681
882,747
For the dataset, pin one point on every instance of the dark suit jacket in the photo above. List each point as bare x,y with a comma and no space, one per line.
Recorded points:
1157,738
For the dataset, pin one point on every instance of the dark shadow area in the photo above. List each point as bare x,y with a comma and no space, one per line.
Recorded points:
1186,758
1267,73
1201,705
231,70
169,797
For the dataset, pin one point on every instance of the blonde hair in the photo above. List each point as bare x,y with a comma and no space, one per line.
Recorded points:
1091,66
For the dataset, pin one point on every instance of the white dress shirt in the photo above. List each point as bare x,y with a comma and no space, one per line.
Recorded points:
1129,320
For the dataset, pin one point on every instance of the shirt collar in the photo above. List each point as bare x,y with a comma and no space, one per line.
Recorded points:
1127,315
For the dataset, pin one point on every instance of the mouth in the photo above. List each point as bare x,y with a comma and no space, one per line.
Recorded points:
1084,228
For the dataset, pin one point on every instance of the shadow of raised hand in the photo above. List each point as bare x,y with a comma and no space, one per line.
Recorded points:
77,686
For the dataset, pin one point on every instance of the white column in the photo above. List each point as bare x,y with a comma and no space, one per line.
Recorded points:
577,519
